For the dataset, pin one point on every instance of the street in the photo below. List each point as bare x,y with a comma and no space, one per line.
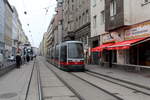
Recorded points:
74,49
39,79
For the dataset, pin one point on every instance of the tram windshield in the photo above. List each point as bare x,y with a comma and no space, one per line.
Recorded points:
75,50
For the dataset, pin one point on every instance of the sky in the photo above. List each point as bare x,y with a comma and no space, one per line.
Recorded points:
36,21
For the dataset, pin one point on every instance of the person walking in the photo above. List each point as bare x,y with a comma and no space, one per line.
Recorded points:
28,58
18,60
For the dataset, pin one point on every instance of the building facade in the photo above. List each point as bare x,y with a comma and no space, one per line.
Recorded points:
59,13
76,18
2,26
15,31
68,19
8,29
76,22
97,26
126,23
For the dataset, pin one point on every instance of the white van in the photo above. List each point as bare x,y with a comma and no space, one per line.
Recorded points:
1,60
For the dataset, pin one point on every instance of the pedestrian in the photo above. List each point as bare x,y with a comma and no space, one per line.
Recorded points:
18,60
28,58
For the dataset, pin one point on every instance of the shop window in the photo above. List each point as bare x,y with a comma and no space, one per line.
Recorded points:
114,56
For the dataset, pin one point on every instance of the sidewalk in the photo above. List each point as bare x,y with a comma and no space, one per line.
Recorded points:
141,78
13,85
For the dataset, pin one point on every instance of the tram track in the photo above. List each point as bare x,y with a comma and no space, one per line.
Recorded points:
31,75
40,90
117,97
91,84
42,73
100,81
66,84
127,84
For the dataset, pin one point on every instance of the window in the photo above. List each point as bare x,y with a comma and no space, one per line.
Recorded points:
72,7
63,56
79,20
102,17
94,21
75,50
87,15
94,3
113,8
83,18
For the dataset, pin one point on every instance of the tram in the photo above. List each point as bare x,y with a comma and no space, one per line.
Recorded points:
68,56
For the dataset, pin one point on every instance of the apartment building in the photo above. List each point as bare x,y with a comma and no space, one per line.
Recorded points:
8,28
15,31
127,31
68,19
76,18
59,14
97,26
76,22
2,26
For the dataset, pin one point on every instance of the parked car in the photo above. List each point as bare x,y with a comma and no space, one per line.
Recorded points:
1,60
11,58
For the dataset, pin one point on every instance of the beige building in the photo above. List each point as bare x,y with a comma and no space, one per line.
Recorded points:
76,22
8,29
76,16
44,43
97,21
125,21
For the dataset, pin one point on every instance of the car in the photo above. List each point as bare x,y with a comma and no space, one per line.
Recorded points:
1,60
11,58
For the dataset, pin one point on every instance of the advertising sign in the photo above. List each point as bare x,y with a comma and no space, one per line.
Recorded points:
107,38
111,37
138,31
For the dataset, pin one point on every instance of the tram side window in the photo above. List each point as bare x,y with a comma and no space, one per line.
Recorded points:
63,53
57,53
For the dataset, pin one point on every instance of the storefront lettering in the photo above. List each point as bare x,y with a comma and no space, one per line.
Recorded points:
107,38
142,30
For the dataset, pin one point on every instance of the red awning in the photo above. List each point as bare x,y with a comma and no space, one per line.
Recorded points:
124,44
101,47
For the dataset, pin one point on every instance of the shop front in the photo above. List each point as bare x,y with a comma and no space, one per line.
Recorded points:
104,55
135,49
94,55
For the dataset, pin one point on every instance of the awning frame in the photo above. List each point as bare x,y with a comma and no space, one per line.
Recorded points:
148,39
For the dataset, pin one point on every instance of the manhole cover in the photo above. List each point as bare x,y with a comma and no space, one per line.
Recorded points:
8,95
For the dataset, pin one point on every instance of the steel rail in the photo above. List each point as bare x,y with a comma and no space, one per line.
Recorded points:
28,87
98,87
40,90
136,90
124,81
65,83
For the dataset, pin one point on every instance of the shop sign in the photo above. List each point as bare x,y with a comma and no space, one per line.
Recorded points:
107,38
138,31
111,37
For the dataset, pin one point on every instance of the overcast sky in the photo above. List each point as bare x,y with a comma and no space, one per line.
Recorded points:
36,17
